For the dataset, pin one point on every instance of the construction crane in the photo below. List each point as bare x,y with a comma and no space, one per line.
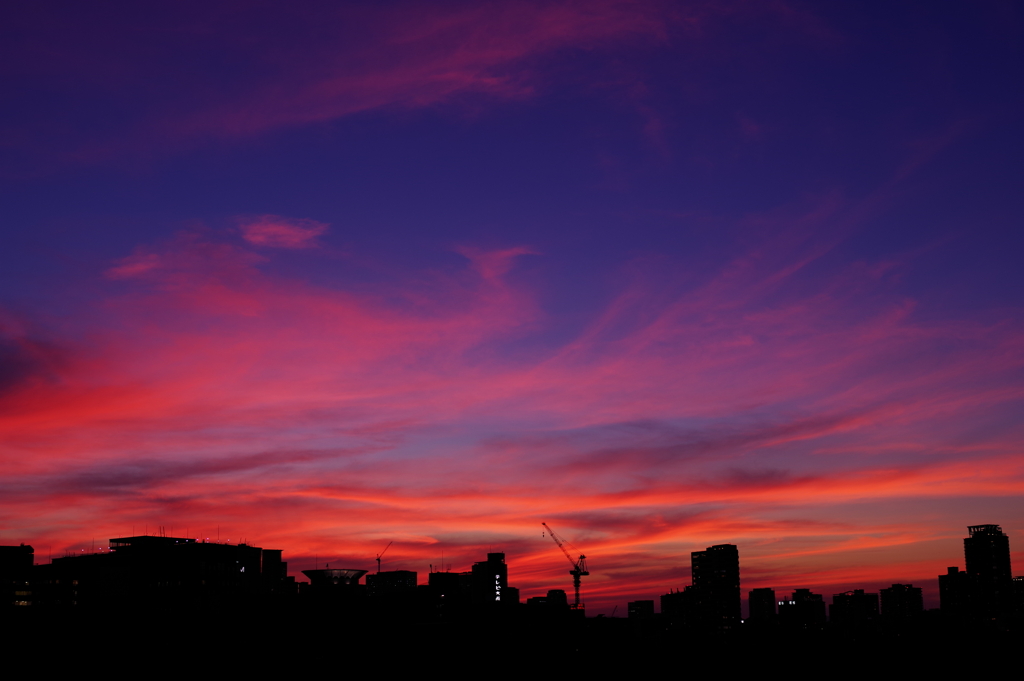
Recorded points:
381,554
579,565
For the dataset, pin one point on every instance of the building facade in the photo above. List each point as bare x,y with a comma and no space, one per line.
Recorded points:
716,578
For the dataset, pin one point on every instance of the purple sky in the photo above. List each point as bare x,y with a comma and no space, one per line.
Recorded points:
663,274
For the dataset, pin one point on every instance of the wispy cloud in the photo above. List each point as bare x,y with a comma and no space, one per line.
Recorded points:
733,409
281,232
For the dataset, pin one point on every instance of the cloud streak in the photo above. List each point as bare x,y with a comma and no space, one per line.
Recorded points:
281,232
735,410
395,56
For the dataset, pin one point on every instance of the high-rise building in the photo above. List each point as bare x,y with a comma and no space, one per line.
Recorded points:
761,603
640,609
902,602
853,608
389,583
803,611
675,606
15,569
393,594
954,594
449,593
987,555
716,578
447,584
555,604
485,585
558,599
490,580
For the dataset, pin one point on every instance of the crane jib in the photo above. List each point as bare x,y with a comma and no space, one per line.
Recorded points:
579,566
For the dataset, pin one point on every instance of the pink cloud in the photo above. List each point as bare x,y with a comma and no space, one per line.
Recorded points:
346,60
281,232
745,410
134,265
422,56
349,60
493,265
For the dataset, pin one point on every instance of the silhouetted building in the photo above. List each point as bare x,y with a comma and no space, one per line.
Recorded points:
393,594
15,574
447,584
640,609
162,572
716,578
333,578
453,595
554,604
987,556
394,582
558,598
761,603
274,566
673,605
853,608
803,610
682,609
955,594
449,593
490,581
902,603
335,591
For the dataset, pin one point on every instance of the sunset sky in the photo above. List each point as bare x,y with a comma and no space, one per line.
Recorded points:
662,274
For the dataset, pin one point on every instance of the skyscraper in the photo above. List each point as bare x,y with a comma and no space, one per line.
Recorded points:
716,576
987,554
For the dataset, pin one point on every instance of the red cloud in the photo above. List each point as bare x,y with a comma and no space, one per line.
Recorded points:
282,232
736,411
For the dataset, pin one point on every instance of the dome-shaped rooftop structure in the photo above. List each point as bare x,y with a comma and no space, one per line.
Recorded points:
334,576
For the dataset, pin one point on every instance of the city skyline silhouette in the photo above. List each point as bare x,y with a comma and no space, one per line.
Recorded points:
985,590
606,287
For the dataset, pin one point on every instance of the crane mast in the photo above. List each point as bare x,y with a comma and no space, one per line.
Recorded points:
579,565
381,554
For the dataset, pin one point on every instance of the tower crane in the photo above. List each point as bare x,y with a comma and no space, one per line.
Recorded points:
579,565
381,554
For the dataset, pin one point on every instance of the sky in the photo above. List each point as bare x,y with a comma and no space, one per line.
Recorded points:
664,275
